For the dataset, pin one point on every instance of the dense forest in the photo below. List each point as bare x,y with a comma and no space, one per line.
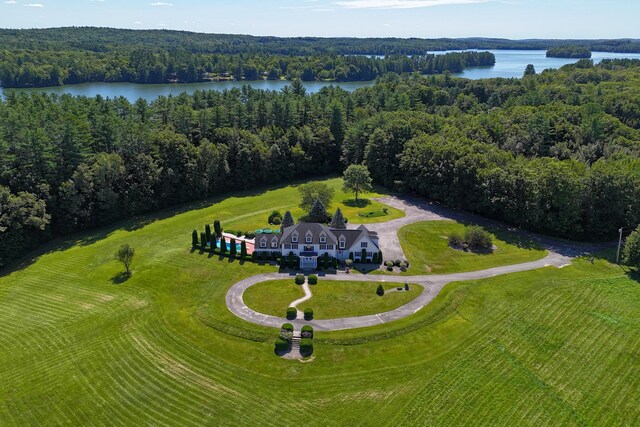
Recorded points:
25,68
556,152
569,52
57,56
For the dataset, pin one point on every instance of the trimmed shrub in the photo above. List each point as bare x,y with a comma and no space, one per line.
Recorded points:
286,335
389,263
363,255
292,260
455,240
273,216
348,262
283,262
306,346
404,265
312,279
380,258
374,260
308,314
351,257
217,228
380,290
232,247
406,286
243,249
385,210
307,331
390,268
194,238
282,345
335,263
207,232
250,235
287,327
203,240
276,221
478,238
397,263
299,279
292,313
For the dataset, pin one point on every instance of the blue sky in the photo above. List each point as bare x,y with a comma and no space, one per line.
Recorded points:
360,18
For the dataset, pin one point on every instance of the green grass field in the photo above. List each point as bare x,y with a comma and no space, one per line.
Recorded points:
331,299
427,250
547,347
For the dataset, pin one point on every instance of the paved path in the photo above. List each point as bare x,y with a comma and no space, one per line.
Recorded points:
416,210
307,296
432,285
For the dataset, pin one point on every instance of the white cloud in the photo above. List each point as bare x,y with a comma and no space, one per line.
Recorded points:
401,4
34,5
10,2
161,3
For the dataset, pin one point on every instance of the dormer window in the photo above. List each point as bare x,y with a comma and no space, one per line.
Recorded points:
294,238
309,239
263,244
323,239
342,243
274,244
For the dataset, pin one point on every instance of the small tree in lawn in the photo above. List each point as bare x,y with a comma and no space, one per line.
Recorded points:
203,240
357,179
194,238
223,245
337,221
243,249
380,290
125,256
287,220
232,247
318,213
631,253
207,232
217,228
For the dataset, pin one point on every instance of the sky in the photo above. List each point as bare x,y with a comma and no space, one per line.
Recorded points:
515,19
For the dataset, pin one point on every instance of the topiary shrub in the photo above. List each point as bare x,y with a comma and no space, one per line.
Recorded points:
272,218
299,279
282,345
276,221
388,263
397,262
306,346
308,314
286,335
380,290
287,327
312,279
404,265
307,331
374,259
292,313
406,286
348,262
390,268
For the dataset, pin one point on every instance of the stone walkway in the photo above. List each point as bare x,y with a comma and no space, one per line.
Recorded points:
307,296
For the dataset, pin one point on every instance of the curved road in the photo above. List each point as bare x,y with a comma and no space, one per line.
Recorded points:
560,255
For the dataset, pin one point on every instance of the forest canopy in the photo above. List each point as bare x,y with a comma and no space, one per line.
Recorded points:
557,152
578,52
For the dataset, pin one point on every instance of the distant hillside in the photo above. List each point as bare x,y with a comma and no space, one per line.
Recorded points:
577,52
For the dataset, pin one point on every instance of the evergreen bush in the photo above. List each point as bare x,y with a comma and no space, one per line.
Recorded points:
194,238
243,249
282,345
299,279
292,313
217,228
287,327
232,247
207,232
380,290
306,346
203,240
312,279
308,314
307,331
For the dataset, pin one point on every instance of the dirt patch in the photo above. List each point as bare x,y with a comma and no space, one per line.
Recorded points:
87,306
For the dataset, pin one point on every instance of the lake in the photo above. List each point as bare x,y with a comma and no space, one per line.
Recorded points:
509,63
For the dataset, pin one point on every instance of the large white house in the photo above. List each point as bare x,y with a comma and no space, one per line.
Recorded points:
308,241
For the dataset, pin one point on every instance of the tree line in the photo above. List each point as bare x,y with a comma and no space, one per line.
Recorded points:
107,39
557,152
42,68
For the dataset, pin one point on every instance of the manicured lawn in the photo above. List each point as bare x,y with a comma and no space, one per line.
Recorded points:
345,299
427,250
273,297
330,299
547,347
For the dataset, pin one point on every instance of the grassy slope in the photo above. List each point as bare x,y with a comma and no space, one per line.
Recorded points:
425,245
330,299
543,347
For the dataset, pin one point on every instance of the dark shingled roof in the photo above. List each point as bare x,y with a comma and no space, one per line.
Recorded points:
315,229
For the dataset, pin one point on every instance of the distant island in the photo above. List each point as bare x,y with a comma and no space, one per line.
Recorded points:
578,52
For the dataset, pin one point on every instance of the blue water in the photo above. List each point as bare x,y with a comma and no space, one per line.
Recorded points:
228,245
509,63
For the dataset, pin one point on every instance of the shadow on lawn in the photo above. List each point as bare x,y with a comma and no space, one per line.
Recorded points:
360,203
120,278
